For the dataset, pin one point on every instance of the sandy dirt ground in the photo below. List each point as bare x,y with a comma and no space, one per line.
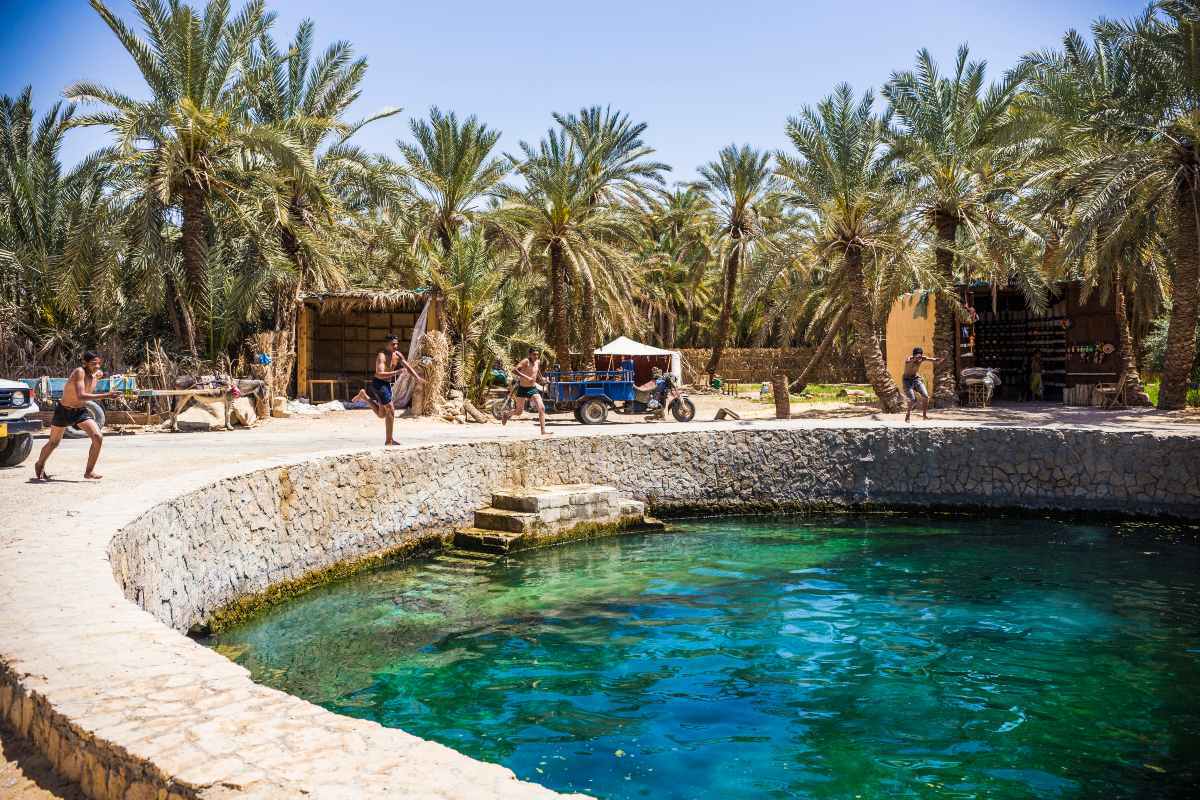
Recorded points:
26,774
130,458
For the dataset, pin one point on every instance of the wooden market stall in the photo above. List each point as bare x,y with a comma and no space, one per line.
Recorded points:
1075,339
339,333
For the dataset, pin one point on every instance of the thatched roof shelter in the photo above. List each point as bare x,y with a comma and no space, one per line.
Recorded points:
338,333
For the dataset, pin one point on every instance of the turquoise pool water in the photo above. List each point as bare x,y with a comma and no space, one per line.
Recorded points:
819,657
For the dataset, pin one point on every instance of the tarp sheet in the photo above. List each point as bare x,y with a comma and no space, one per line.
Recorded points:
624,346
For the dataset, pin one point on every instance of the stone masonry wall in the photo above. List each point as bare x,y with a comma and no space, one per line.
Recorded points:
186,559
761,363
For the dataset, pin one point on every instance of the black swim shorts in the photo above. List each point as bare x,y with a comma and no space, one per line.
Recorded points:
67,417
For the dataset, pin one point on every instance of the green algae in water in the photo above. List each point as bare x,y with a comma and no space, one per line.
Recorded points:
823,658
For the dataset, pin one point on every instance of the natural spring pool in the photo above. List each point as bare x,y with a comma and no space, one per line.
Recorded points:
824,657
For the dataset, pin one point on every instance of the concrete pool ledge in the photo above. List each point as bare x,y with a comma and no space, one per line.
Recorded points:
96,669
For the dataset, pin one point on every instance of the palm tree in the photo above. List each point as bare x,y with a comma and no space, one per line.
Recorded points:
59,251
949,146
1065,90
676,253
617,160
307,101
186,144
1131,164
842,179
801,298
554,216
452,166
737,184
482,300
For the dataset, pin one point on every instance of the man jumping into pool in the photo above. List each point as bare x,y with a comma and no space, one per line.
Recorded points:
72,411
389,362
913,385
529,377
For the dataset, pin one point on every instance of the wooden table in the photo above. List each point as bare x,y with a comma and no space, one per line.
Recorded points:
331,384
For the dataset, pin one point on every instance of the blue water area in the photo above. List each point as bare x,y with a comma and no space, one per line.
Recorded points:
873,656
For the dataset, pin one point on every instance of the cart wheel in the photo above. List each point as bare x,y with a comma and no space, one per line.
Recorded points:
593,412
97,414
15,449
683,410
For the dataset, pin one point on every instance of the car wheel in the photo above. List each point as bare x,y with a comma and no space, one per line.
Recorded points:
97,414
15,449
593,412
683,410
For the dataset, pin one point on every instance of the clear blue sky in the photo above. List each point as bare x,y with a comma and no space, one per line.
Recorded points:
701,73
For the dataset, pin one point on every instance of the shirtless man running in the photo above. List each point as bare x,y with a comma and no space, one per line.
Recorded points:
71,412
389,363
913,385
529,375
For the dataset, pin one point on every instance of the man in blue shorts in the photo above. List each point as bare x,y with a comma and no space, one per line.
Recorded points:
913,385
389,363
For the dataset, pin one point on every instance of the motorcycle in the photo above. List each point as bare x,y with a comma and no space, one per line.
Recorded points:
669,395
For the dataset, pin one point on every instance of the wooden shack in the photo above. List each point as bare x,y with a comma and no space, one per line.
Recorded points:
339,333
1076,339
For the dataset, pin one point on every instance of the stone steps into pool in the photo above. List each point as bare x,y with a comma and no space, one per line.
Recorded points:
527,517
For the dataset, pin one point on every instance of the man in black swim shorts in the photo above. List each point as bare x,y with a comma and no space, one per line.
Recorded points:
529,376
71,412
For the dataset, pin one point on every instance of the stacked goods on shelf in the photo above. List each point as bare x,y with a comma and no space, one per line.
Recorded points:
1007,341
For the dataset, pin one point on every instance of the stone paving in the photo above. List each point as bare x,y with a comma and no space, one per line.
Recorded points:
130,708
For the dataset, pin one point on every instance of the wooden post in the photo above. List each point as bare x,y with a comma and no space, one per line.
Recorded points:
783,401
303,356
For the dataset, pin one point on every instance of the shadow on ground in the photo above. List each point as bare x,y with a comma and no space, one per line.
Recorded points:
25,774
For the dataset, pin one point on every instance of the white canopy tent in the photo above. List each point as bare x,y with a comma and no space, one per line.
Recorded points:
624,346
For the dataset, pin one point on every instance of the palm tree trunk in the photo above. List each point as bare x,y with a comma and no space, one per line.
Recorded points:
817,357
1181,330
1126,353
588,344
559,333
732,262
194,242
868,338
945,390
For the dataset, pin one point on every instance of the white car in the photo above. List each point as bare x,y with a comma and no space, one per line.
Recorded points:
18,422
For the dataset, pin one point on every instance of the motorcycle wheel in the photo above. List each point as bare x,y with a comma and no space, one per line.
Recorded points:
683,410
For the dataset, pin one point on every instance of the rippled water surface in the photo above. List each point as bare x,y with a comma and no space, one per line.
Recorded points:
817,657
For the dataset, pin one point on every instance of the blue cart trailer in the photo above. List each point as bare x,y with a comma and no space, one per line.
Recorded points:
592,394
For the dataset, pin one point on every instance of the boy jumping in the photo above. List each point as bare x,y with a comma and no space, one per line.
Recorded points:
913,385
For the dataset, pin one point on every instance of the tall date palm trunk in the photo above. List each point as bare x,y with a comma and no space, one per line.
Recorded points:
729,292
588,323
194,244
559,332
945,389
1126,352
868,338
1181,330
